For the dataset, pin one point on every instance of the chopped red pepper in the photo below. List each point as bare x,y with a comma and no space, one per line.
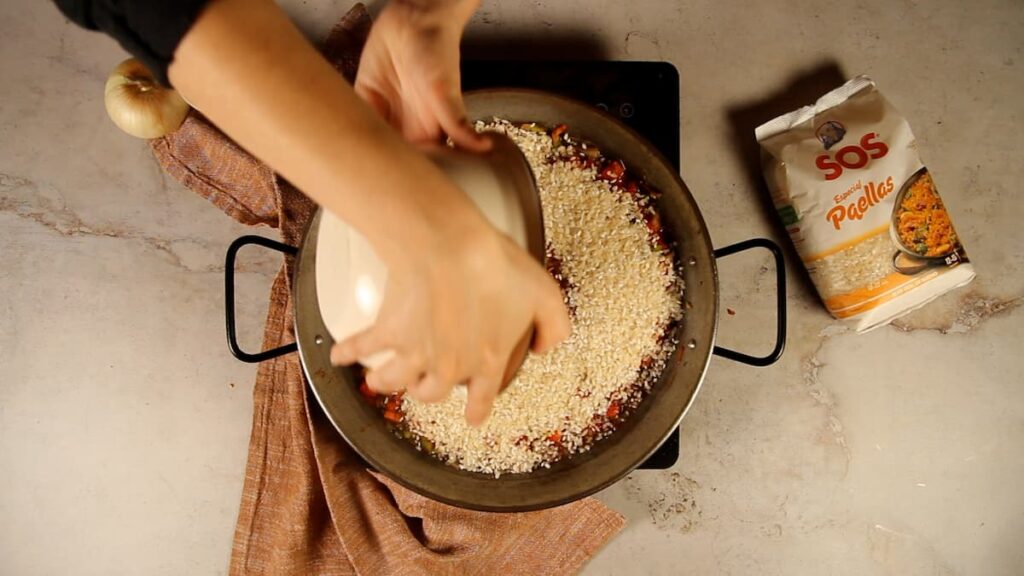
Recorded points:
613,171
632,188
393,403
365,390
556,436
613,410
557,133
654,224
393,416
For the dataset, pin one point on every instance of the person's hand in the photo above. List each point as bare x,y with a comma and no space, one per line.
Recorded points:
409,70
460,295
454,313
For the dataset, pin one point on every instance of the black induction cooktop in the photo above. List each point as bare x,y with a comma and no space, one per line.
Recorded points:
644,95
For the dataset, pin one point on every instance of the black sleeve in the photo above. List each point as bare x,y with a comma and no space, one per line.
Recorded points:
149,29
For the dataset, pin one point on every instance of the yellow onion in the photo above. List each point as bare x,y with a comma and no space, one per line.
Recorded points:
139,104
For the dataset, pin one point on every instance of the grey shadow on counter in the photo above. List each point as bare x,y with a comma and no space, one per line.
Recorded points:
800,90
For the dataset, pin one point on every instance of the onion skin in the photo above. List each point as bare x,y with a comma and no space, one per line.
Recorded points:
139,105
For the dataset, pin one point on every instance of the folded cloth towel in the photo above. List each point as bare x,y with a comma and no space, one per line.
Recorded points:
309,504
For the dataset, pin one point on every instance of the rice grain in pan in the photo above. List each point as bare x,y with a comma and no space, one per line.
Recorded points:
624,294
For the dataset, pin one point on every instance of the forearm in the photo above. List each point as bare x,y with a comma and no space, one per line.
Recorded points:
248,69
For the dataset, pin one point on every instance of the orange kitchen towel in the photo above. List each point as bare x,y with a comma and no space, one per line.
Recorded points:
309,504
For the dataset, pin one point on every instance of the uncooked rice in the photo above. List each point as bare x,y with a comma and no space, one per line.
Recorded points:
863,265
624,293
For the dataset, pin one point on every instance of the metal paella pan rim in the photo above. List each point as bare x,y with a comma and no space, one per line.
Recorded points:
608,460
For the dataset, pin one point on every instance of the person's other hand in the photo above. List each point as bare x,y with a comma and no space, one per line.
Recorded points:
409,70
454,313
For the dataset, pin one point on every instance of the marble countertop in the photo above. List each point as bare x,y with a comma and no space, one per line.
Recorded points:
124,421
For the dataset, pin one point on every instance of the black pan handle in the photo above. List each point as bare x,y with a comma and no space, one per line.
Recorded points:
229,298
780,280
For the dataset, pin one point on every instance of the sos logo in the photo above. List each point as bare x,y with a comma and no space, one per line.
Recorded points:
851,157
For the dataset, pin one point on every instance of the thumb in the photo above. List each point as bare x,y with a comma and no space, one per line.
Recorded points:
450,112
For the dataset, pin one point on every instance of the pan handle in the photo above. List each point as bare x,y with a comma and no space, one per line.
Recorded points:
780,279
229,298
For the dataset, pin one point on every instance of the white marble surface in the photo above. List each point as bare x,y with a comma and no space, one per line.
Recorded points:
124,421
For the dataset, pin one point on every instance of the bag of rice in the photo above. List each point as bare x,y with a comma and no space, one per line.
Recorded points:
860,207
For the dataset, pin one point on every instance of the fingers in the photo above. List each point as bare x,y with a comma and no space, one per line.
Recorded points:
481,395
359,346
464,136
430,389
450,112
395,376
551,320
516,359
481,392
